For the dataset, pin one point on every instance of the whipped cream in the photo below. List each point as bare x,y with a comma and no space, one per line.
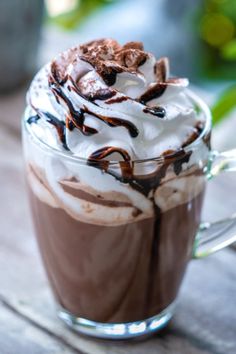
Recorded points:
102,100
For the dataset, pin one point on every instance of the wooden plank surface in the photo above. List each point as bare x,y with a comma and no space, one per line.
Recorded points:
20,336
205,321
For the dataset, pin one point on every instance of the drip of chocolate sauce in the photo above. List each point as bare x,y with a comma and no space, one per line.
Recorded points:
156,111
33,119
180,158
125,166
142,183
111,121
60,127
107,151
145,184
154,254
76,117
69,124
57,123
153,92
115,122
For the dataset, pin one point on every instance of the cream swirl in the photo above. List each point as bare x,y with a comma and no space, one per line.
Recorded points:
102,100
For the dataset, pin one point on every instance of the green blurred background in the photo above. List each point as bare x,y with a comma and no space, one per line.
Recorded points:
211,25
214,23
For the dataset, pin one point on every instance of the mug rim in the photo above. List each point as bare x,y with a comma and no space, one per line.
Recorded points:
174,156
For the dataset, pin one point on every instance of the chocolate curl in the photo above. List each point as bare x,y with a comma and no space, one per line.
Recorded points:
162,69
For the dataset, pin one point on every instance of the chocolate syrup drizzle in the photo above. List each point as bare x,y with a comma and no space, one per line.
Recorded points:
60,127
155,91
33,119
109,58
157,111
115,122
57,123
108,150
158,89
77,116
142,183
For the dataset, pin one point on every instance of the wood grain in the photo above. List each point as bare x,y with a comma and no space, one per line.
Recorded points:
20,336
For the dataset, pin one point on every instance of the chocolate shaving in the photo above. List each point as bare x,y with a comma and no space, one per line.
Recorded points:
108,73
107,70
102,95
161,69
57,74
101,49
109,58
133,45
131,58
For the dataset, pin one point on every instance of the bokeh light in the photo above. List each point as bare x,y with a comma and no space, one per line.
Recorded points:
217,29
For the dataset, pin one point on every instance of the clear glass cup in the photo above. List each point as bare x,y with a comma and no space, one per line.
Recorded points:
116,257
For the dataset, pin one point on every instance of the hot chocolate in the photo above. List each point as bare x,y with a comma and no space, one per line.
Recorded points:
116,183
120,273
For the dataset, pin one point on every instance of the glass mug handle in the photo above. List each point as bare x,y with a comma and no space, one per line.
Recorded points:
217,235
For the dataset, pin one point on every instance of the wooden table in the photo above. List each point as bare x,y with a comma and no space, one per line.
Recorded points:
205,321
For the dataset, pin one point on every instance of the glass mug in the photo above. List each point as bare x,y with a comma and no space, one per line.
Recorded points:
115,260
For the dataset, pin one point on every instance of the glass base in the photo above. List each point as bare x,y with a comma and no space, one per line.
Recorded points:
117,330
